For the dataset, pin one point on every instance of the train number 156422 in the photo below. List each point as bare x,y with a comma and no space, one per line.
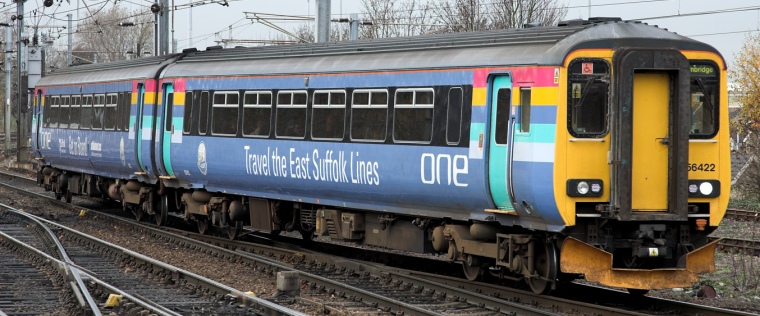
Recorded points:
708,167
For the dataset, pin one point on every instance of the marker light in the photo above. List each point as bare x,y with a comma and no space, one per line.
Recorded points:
705,188
583,187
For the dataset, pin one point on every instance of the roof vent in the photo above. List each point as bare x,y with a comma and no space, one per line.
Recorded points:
532,24
214,47
592,20
190,50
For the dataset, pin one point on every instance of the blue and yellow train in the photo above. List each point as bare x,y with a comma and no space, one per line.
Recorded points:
594,149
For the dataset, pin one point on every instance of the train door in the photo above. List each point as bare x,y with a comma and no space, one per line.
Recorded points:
140,132
649,183
165,128
37,123
499,141
650,135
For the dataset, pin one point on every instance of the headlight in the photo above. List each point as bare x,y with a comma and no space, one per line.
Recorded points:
582,187
704,188
585,187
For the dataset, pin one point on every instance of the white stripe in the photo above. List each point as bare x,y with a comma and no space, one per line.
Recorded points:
533,152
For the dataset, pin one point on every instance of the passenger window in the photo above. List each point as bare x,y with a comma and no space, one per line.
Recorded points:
291,114
704,93
98,106
328,115
46,112
63,121
169,104
454,116
413,115
224,116
188,113
588,94
369,115
127,110
109,114
85,121
503,103
524,110
54,112
203,116
74,112
257,113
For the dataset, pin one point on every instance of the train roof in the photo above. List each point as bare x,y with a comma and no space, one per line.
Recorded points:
527,46
541,46
141,68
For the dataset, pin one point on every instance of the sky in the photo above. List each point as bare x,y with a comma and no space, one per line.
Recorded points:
723,24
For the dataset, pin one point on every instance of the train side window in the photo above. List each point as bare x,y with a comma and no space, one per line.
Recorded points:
46,112
588,95
98,105
328,115
704,100
291,114
85,110
74,112
54,112
524,110
188,113
369,115
109,113
224,115
63,121
203,116
413,115
127,111
122,111
503,104
454,116
257,114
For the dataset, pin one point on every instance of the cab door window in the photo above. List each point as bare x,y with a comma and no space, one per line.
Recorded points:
704,100
588,94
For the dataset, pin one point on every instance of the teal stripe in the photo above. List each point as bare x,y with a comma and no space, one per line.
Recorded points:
476,129
539,133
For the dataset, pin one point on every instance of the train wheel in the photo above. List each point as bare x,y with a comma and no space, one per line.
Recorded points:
203,224
545,268
234,229
472,273
163,211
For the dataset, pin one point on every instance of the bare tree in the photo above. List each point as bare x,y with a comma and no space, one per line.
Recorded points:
103,39
506,14
391,18
461,16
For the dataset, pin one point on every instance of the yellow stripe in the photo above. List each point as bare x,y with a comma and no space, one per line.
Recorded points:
539,96
150,96
179,99
478,96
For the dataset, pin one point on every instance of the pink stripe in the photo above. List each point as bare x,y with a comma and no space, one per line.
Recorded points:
150,86
179,85
521,77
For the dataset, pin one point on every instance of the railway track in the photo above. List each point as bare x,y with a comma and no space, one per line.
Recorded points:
361,287
146,285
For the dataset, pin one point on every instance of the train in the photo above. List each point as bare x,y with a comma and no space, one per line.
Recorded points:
594,149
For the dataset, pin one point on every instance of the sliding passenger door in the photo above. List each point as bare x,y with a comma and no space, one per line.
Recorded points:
165,127
499,141
140,132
